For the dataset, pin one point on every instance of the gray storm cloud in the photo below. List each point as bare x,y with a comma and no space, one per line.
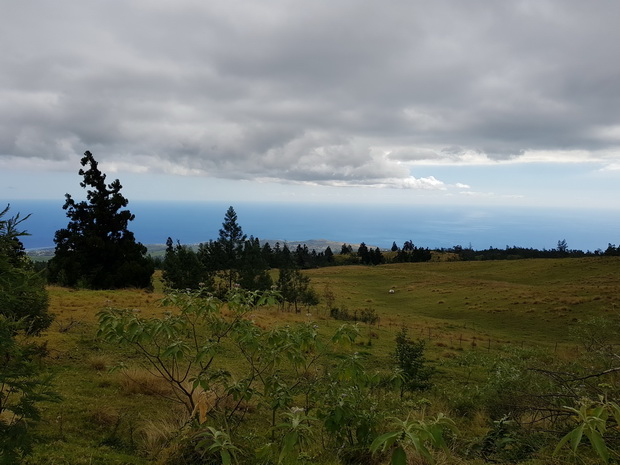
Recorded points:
338,93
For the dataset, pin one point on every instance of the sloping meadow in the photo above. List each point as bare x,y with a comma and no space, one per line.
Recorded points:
484,325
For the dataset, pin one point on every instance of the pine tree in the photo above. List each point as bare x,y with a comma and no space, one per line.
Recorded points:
231,240
329,255
96,250
268,254
364,254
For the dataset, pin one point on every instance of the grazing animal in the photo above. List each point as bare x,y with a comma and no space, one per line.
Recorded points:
391,291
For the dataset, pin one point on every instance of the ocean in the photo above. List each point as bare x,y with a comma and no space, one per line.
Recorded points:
426,226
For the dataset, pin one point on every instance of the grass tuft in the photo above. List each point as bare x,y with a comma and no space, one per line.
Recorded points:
140,381
99,362
155,435
104,416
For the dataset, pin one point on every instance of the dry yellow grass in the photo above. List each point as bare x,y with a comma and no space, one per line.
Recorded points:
83,305
104,416
75,312
141,381
155,434
99,362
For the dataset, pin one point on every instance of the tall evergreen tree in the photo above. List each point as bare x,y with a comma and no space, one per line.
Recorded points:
276,256
364,254
231,240
268,254
329,255
96,250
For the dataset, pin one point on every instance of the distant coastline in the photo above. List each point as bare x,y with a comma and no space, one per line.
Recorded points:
426,226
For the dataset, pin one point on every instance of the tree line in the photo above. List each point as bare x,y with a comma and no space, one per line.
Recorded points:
518,253
244,260
234,260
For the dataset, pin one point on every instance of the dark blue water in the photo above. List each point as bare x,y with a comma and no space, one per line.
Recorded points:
436,226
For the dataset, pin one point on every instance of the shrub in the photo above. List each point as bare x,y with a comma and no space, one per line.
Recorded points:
23,313
409,357
365,315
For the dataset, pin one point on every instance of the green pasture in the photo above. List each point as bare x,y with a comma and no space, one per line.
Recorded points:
455,306
529,301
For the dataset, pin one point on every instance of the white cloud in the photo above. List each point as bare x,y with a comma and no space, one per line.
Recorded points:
427,183
612,167
337,94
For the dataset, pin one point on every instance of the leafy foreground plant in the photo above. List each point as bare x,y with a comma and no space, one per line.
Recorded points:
278,378
593,424
418,435
182,348
296,434
219,441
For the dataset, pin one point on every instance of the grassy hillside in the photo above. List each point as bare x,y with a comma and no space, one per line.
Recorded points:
535,301
456,307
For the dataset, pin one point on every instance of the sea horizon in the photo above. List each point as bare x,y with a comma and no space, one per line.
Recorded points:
378,225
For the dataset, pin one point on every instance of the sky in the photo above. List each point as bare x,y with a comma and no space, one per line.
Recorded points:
511,103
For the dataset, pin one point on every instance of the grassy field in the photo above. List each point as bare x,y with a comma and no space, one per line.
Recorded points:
455,306
529,301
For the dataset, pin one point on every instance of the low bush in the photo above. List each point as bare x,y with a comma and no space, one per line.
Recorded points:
365,315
